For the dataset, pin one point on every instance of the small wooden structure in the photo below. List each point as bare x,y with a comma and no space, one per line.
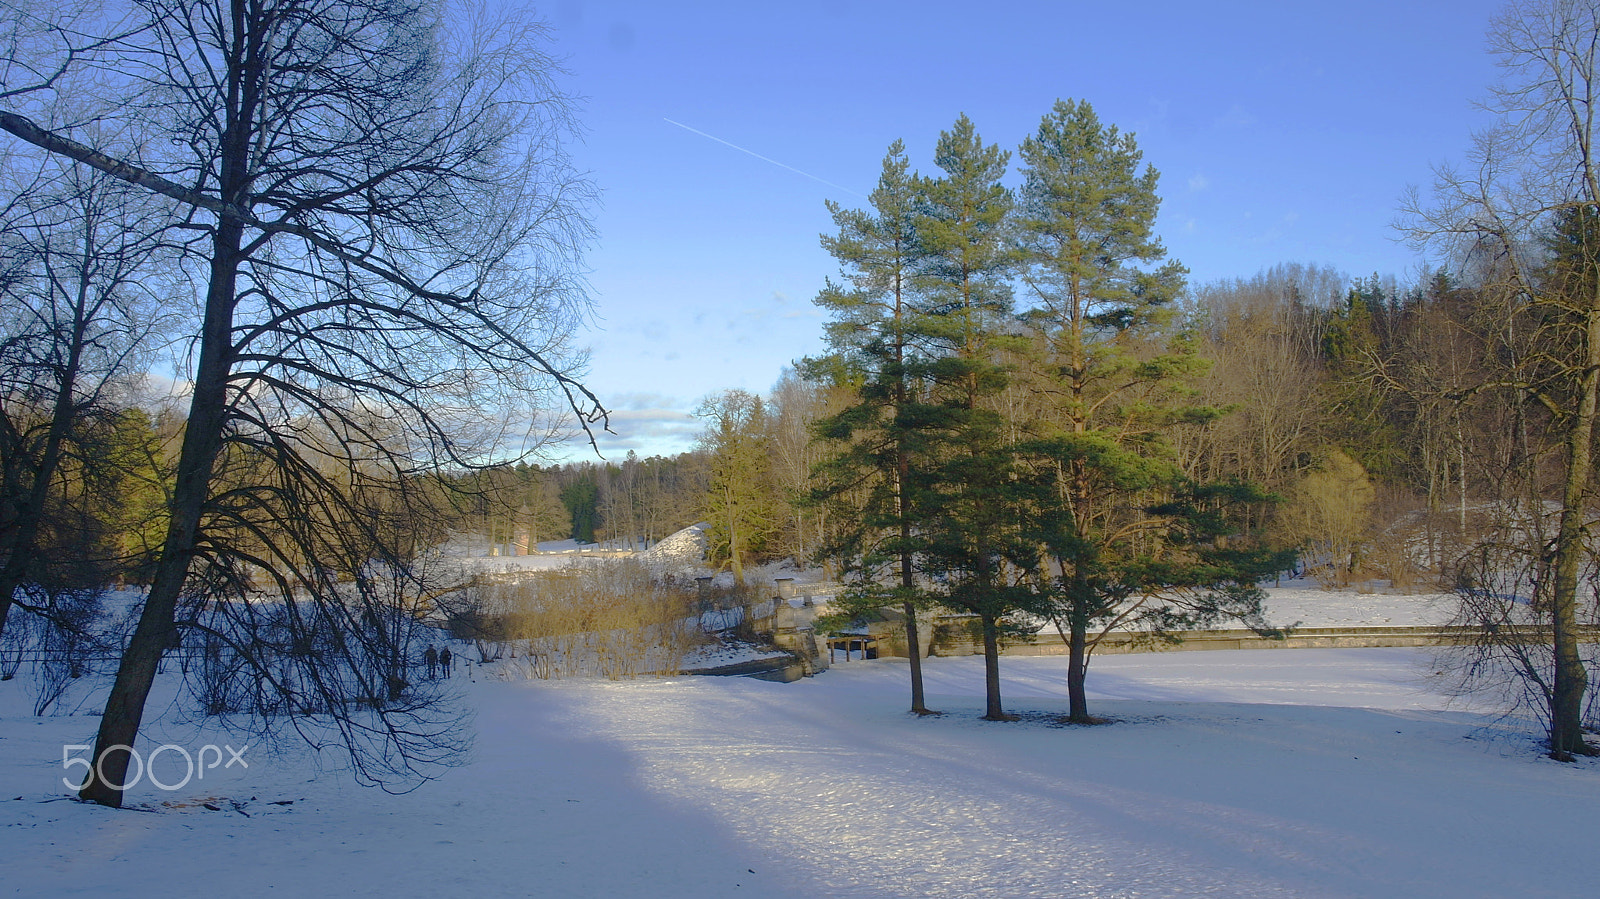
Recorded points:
865,642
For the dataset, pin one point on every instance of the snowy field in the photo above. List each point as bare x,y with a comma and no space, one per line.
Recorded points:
1314,773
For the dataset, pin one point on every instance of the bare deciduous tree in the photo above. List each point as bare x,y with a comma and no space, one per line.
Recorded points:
1264,368
1532,172
387,231
80,316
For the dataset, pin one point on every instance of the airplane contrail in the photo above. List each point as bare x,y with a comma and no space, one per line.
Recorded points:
763,158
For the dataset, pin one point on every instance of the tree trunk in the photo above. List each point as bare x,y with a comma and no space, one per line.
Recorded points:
202,438
914,655
1077,668
1076,636
1571,679
908,572
991,671
26,528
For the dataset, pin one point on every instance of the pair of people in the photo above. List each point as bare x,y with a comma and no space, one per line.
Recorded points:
439,663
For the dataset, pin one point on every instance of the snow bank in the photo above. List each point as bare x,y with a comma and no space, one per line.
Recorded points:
682,553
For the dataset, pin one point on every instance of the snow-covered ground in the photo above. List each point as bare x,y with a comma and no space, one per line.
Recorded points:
720,655
1314,773
472,556
1304,601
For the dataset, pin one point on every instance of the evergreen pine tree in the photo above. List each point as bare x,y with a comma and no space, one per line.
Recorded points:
1126,538
975,550
878,350
1365,420
738,504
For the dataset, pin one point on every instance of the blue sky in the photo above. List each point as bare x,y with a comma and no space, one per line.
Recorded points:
1283,132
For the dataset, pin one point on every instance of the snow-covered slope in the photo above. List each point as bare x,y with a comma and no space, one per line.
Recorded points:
682,553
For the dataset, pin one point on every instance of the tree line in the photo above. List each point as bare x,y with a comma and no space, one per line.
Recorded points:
632,503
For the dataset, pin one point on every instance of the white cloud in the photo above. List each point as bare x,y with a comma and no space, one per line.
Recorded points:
646,423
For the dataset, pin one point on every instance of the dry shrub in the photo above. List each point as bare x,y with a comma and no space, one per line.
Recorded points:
609,618
1329,514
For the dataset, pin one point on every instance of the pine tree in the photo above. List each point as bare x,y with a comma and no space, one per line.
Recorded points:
1365,420
970,494
581,496
738,504
1128,540
875,338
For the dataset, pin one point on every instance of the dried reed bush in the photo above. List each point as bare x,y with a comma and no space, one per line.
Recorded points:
607,618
